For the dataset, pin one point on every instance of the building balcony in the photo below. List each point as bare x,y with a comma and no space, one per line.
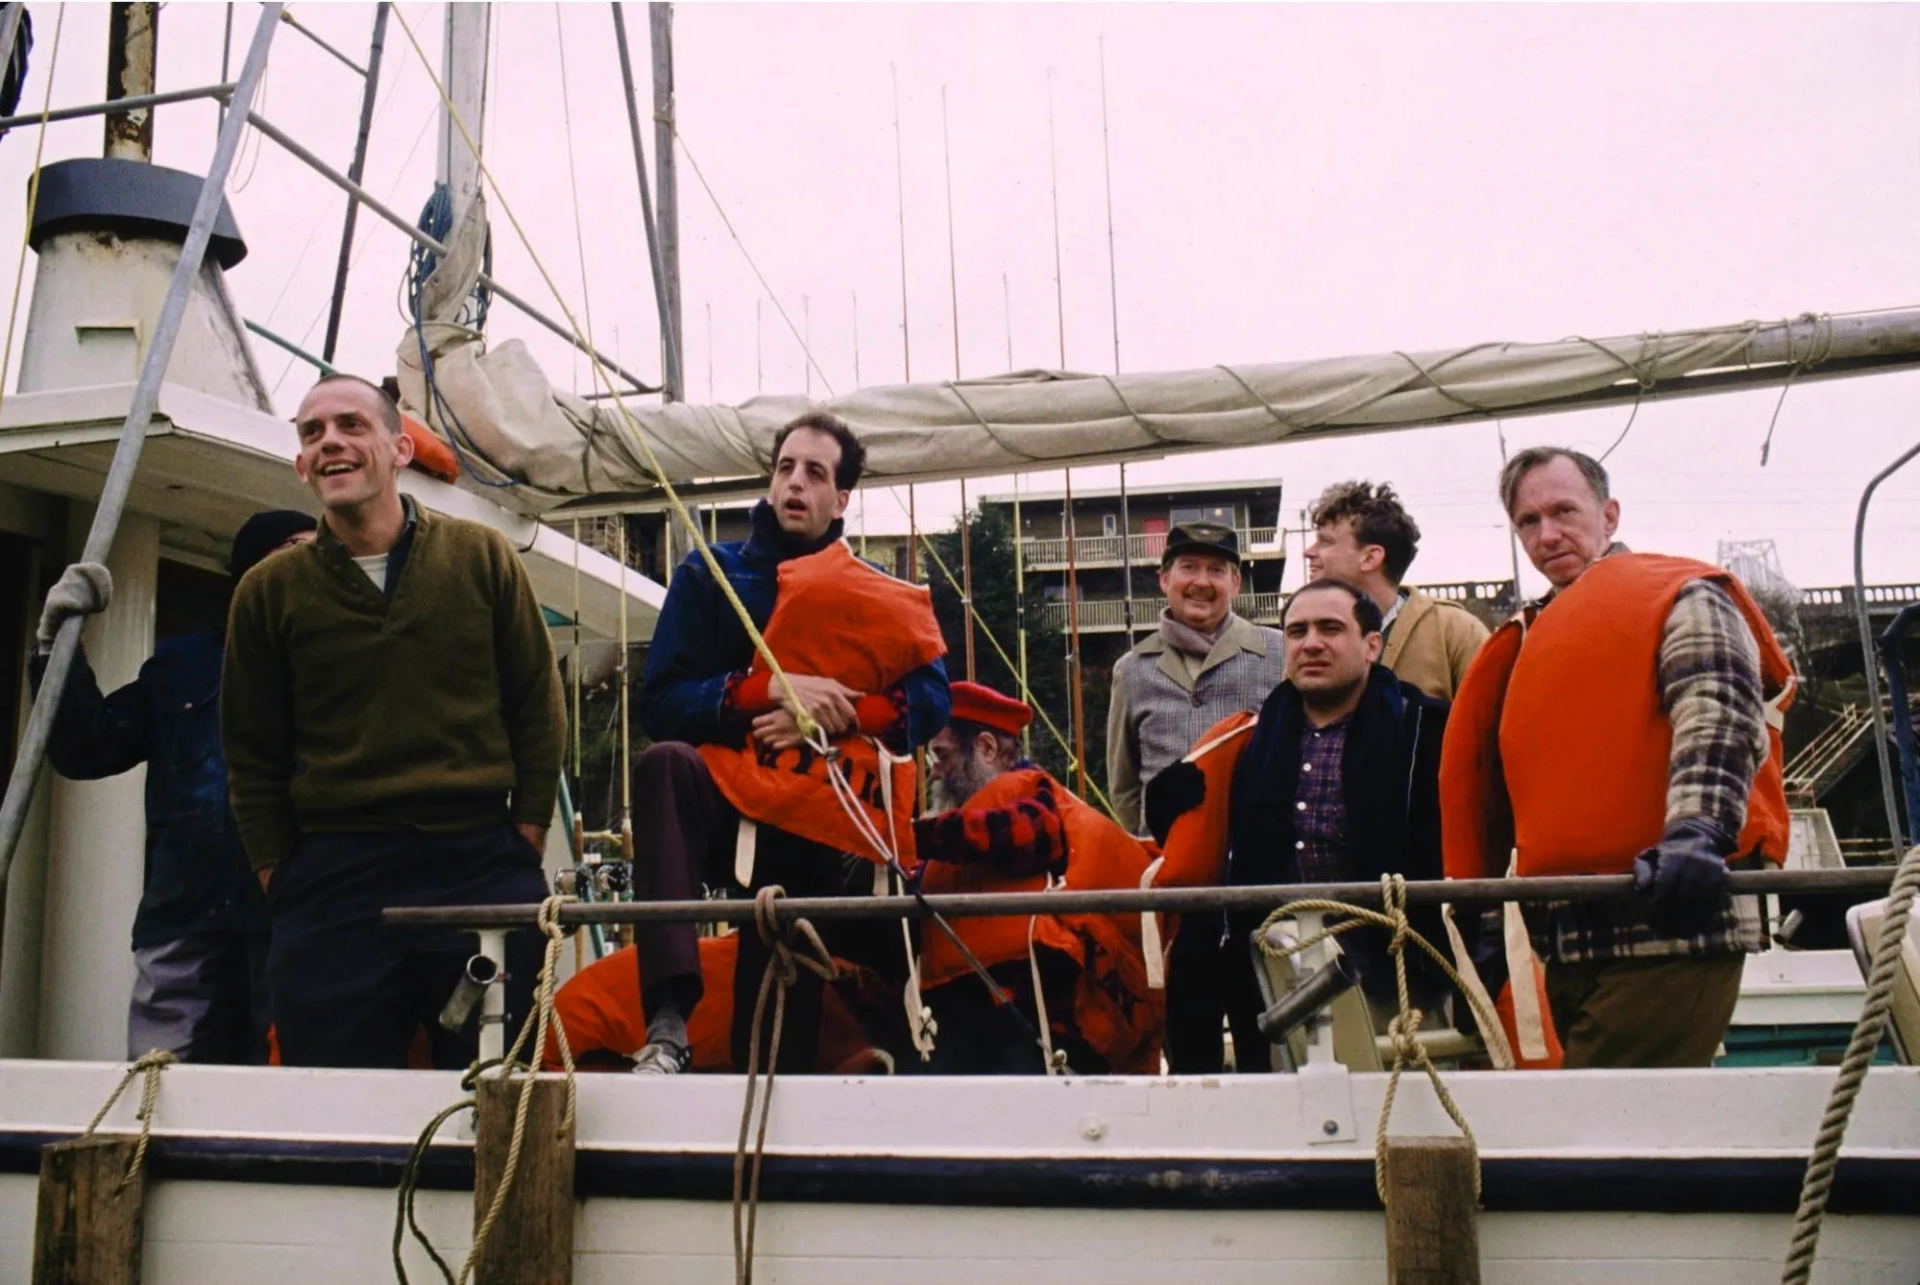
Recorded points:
1141,550
1109,615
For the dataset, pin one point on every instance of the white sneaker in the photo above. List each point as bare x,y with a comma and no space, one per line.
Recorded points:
662,1059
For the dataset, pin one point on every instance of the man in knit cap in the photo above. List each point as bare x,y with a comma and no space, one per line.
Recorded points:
200,934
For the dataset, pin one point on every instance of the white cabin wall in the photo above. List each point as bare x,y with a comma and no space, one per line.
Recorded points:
97,838
40,518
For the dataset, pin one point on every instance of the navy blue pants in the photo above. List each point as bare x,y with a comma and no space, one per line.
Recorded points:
349,991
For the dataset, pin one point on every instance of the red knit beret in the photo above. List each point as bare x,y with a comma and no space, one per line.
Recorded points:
977,704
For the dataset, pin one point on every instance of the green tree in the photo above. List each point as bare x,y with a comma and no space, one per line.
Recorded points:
998,606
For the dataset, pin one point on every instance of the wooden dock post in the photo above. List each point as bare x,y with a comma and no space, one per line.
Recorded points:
88,1228
532,1240
1432,1237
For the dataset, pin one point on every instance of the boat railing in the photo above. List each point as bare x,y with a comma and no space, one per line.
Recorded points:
1864,881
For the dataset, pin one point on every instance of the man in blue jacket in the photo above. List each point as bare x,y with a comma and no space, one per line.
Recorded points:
200,934
697,691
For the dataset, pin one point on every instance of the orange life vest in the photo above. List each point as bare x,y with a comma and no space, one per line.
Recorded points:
1114,1010
836,617
1195,853
1558,745
431,454
600,1008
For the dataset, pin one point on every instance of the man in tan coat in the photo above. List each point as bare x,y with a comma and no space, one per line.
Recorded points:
1363,536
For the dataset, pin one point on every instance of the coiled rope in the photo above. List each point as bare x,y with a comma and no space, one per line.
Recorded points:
1405,1027
148,1065
538,1022
782,970
1825,1158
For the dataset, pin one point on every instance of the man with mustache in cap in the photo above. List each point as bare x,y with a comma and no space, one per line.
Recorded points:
1202,664
200,934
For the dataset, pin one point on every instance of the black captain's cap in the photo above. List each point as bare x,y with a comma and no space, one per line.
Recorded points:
1202,537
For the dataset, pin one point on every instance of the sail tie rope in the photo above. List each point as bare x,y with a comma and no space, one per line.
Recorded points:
148,1065
538,1022
782,970
1825,1157
1405,1028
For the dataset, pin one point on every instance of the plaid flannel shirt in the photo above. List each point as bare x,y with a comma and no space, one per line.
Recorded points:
1320,806
1709,673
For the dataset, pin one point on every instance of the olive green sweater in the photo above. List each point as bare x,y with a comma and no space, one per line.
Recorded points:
435,709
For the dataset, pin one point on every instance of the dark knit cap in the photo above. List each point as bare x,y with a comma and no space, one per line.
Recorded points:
261,534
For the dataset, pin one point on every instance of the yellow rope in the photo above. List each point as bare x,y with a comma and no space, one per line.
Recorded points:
538,1022
33,197
149,1065
1405,1027
802,718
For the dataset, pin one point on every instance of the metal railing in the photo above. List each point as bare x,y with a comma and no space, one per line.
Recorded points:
1841,597
1142,550
1826,758
1863,880
1108,615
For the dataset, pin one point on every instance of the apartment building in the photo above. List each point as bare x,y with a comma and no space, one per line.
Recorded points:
1115,541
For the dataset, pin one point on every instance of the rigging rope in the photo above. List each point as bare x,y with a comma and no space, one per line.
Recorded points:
1405,1026
1825,1157
782,970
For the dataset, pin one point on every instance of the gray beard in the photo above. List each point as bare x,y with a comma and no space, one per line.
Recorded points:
961,784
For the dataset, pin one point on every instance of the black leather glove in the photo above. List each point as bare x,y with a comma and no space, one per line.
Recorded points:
1177,789
1685,877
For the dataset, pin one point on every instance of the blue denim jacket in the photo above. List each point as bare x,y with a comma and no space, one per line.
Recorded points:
197,877
698,643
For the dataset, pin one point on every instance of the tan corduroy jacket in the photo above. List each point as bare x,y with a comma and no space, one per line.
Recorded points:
1431,643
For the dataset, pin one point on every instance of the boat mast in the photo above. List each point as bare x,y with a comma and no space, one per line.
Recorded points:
133,52
1019,556
356,170
1113,289
660,26
906,342
657,260
953,292
1076,707
464,72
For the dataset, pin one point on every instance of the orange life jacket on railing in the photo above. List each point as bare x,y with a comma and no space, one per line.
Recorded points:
600,1008
836,617
1558,745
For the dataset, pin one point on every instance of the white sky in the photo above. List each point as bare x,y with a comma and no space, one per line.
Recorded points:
1288,183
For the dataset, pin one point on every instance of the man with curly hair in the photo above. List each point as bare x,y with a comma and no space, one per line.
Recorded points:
1365,537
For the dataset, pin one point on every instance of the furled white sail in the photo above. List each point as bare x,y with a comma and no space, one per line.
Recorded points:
560,447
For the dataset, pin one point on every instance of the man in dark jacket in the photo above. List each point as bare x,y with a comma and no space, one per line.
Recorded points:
697,690
1340,784
200,935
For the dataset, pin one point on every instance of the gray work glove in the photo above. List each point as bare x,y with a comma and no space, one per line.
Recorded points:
82,589
1685,877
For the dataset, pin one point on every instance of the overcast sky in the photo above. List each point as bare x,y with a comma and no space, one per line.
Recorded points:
1288,183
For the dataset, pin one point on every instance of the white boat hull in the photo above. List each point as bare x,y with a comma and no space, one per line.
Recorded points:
1590,1177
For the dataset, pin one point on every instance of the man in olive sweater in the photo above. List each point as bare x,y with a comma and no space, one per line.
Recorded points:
393,728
